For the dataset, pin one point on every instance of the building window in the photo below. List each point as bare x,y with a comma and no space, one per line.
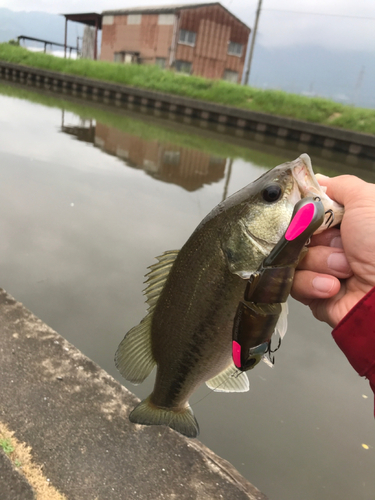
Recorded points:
216,160
171,157
183,66
165,19
150,166
160,61
230,76
187,37
126,57
129,58
235,49
134,18
118,57
108,20
122,153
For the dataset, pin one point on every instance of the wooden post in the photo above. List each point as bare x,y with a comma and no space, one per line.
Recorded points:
96,40
66,36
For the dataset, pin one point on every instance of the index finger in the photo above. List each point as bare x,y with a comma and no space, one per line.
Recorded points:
346,188
326,238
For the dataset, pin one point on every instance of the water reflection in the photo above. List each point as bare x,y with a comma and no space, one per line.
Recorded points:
79,226
83,131
164,161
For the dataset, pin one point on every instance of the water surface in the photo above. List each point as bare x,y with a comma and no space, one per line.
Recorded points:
89,197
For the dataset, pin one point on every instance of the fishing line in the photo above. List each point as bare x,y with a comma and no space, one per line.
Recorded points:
206,395
213,390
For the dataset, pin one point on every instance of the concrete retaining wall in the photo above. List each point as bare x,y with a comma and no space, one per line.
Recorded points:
226,119
74,416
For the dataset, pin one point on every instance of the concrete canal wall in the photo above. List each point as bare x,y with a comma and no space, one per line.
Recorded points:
74,418
226,119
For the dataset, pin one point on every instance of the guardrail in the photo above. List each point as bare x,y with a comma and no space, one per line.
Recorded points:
47,42
230,120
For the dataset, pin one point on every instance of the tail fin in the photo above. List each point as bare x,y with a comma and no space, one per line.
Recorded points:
182,421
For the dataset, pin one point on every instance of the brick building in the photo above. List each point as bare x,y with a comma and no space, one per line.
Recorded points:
200,39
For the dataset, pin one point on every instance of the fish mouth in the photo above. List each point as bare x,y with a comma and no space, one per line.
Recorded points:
305,178
308,186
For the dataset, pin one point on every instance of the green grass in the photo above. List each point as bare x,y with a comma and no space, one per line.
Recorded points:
316,109
6,446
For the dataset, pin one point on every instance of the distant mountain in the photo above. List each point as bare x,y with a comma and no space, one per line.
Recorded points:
347,77
343,76
37,25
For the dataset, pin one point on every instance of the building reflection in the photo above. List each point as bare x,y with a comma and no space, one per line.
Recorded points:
85,131
165,161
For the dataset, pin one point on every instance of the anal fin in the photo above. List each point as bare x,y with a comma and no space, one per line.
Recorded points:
282,323
229,380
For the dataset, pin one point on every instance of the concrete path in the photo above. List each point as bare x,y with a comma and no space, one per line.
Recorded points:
74,416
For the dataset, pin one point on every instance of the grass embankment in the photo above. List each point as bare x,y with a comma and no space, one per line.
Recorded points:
316,109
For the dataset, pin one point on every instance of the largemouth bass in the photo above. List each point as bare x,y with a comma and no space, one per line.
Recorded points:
193,295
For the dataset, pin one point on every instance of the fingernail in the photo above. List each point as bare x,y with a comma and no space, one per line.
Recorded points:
336,242
324,285
321,176
338,262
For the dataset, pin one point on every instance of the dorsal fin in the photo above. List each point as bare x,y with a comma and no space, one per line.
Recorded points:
157,277
134,357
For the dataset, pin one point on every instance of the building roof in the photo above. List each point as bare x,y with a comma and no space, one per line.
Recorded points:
165,9
89,18
156,9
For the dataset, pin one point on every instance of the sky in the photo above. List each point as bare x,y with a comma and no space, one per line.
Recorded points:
334,24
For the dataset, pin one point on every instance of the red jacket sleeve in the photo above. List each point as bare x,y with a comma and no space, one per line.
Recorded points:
355,335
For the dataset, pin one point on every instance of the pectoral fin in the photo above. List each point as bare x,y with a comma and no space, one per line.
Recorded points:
229,380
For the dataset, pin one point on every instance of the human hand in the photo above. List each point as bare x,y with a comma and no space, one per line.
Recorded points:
339,268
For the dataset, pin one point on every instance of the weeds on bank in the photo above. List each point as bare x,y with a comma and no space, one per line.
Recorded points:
315,109
21,457
6,446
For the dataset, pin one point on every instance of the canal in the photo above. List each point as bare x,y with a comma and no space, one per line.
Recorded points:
89,196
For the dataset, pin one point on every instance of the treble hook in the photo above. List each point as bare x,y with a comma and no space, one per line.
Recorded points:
277,348
270,351
331,217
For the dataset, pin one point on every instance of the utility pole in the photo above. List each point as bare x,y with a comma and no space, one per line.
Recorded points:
358,85
250,55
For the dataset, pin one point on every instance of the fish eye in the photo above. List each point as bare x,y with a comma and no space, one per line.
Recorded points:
272,193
